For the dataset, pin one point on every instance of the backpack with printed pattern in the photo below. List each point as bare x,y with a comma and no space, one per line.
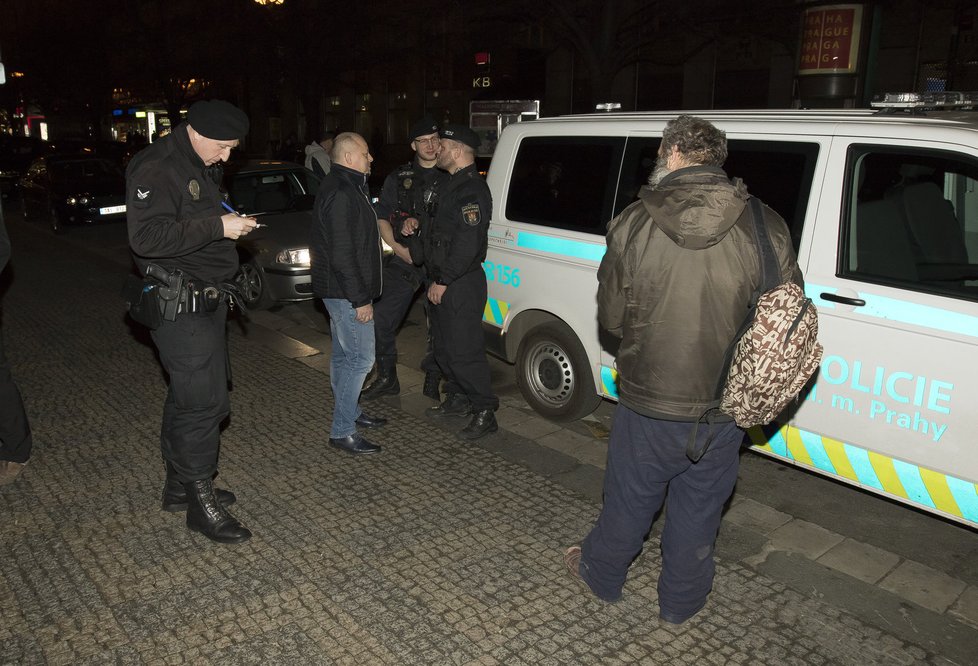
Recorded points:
777,349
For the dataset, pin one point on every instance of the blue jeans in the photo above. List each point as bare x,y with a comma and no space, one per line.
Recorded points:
646,457
352,359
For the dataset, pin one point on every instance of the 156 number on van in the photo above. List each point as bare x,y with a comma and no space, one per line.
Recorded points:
502,274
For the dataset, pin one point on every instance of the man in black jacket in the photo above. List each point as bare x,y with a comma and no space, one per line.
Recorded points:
176,223
454,249
346,259
406,196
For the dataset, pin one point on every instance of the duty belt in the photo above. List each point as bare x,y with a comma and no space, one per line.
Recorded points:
197,298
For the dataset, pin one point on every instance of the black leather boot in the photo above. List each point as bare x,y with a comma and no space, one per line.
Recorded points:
206,515
175,495
385,384
432,386
454,405
483,422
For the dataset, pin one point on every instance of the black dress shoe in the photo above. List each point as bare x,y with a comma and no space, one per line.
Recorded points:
432,386
483,422
354,445
385,384
365,420
454,405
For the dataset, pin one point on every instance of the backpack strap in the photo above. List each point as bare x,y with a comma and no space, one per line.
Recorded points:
770,278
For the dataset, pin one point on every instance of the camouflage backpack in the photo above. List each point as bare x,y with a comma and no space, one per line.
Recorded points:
775,351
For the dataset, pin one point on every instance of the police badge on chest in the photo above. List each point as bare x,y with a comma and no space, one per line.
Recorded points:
194,188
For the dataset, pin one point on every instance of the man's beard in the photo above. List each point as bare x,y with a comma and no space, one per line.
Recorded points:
659,172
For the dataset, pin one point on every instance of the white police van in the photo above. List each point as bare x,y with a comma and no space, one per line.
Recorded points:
883,210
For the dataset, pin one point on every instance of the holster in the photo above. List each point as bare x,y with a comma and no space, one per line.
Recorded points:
142,300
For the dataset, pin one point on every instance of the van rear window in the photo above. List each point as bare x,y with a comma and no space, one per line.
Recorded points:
565,182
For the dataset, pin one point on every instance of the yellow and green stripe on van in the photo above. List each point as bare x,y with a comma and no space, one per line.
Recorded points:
495,312
944,493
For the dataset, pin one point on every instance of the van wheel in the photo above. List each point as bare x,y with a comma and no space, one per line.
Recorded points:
554,375
253,285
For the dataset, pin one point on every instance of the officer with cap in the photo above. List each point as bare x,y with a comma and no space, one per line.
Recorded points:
406,195
179,229
453,251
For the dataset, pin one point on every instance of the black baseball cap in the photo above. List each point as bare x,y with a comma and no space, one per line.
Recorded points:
462,134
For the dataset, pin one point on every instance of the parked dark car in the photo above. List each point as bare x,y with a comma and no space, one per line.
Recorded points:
74,189
16,155
274,258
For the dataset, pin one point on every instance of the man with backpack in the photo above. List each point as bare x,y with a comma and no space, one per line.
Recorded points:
680,273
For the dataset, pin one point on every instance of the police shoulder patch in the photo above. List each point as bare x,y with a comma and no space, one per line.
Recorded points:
142,196
471,214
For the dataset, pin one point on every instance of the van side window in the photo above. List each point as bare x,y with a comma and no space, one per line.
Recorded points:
912,220
779,173
640,155
565,182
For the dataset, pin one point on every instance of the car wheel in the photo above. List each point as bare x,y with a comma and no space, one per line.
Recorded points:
253,285
554,375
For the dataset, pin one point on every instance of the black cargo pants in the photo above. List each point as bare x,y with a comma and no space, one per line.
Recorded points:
401,283
193,350
460,349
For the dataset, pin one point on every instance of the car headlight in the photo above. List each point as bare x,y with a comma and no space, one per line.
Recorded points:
77,201
296,257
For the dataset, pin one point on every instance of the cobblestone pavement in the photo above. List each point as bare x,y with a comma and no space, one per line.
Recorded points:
434,552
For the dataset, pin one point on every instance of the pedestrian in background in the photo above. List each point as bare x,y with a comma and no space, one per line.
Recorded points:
454,250
405,198
683,258
16,441
346,258
176,222
317,154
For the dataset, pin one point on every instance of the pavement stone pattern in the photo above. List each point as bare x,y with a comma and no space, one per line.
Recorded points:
434,552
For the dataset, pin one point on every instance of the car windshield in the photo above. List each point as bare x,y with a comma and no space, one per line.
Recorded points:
82,169
273,191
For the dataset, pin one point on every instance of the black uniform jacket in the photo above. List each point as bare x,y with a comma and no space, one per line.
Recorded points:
460,232
345,244
173,211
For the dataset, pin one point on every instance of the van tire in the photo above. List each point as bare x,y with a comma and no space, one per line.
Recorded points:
554,375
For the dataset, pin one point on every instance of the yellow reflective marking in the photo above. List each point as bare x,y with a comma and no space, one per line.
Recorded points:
886,473
796,448
836,452
940,494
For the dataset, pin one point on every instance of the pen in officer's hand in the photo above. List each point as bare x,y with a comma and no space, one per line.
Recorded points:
225,206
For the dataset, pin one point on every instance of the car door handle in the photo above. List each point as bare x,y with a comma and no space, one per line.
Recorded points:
835,298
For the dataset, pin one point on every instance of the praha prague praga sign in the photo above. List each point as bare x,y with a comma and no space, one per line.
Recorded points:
830,39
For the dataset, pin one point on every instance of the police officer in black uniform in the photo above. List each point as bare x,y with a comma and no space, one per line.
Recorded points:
453,251
404,197
179,232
